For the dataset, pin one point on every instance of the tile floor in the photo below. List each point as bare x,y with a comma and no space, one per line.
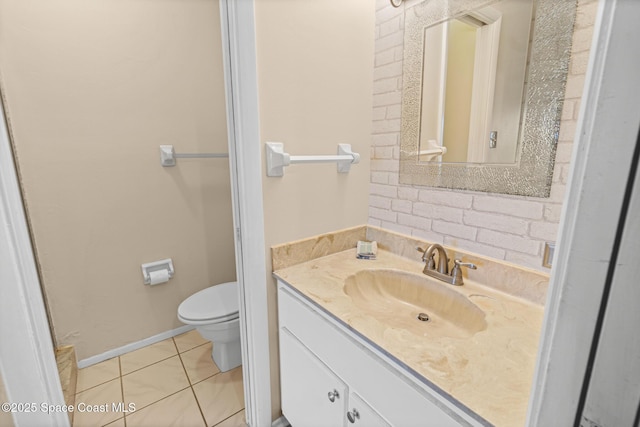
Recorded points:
171,383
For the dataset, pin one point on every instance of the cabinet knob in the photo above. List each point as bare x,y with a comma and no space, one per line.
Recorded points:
333,395
353,415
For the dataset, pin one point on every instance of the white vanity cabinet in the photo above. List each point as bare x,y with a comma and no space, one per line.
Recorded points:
332,377
315,395
358,411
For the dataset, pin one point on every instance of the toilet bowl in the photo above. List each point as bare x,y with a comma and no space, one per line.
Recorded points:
214,313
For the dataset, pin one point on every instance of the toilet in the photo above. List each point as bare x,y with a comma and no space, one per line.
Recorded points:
214,313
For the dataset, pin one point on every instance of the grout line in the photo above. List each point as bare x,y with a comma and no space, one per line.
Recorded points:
208,378
150,364
190,384
230,416
122,390
184,369
121,376
95,386
175,344
191,348
156,401
164,397
199,407
129,348
203,379
112,422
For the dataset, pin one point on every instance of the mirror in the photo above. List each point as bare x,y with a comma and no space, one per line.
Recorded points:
472,84
483,85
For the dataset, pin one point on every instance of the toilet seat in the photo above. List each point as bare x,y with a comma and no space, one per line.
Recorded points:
215,304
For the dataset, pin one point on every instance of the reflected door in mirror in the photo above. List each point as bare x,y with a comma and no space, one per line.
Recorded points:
473,80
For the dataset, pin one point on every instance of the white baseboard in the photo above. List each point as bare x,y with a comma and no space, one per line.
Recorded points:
281,422
133,346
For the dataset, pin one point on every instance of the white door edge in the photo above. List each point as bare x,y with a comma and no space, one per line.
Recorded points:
600,167
27,359
238,36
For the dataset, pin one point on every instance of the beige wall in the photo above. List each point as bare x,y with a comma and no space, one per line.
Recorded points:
315,62
512,228
461,51
91,90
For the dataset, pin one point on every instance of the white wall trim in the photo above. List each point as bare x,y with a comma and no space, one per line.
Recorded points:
485,69
133,346
245,155
600,167
27,359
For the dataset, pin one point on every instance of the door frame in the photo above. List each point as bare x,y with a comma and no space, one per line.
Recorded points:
241,87
27,359
600,168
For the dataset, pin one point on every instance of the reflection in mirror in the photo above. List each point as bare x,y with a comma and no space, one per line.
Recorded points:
486,120
472,84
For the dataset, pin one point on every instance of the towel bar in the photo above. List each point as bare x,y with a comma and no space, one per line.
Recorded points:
277,159
168,155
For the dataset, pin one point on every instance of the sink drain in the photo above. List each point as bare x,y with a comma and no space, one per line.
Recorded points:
423,317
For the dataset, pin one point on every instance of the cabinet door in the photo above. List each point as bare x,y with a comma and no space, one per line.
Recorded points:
359,413
312,395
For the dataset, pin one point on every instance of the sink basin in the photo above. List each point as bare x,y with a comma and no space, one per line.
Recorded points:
399,298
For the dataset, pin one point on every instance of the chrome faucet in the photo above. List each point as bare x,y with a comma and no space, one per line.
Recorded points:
428,257
442,272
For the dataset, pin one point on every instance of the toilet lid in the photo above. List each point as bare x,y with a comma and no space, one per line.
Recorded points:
214,302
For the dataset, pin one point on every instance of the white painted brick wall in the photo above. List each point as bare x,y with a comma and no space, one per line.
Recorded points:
446,198
413,221
404,206
429,210
496,222
509,206
506,227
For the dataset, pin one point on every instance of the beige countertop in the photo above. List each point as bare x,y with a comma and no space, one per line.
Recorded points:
489,372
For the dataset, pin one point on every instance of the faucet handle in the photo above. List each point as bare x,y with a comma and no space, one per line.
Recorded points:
431,262
458,263
456,273
423,252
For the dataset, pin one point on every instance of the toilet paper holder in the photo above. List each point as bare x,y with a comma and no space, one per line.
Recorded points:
149,267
